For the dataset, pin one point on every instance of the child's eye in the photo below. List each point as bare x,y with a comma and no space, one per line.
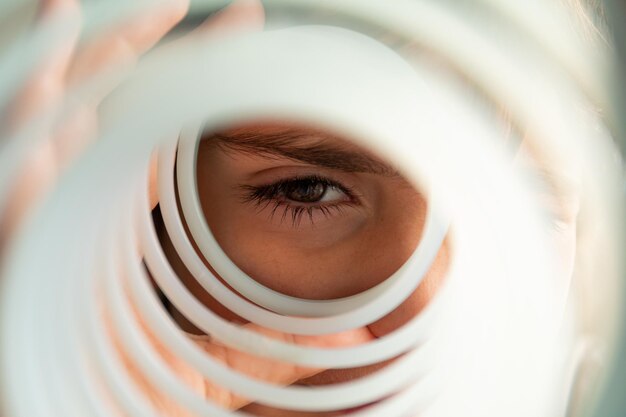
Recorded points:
311,191
301,196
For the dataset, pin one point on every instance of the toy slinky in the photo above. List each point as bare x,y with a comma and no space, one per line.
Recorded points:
88,288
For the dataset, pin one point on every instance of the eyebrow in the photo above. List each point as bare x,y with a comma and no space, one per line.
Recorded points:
299,144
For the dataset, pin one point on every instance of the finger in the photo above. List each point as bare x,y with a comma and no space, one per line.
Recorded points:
270,370
40,93
46,85
264,369
153,191
37,175
124,43
161,401
48,7
120,46
240,16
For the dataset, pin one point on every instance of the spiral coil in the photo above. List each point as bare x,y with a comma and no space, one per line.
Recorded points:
84,330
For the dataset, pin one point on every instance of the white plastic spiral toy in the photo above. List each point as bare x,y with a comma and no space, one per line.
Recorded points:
415,82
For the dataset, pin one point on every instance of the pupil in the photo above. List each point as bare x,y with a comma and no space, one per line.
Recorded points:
306,192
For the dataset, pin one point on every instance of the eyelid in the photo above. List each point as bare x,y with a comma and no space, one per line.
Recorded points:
270,190
264,196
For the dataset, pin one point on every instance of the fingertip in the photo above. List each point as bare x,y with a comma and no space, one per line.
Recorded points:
252,8
175,11
240,15
49,7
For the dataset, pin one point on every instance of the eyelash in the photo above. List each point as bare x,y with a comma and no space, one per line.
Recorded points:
263,196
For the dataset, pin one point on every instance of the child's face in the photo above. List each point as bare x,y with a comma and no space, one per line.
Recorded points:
314,217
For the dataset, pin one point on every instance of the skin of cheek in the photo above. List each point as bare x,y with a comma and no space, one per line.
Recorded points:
419,299
196,289
354,263
412,306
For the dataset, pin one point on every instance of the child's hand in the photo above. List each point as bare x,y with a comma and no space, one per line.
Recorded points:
72,63
267,370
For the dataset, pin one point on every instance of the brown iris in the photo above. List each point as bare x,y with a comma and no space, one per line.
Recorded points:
305,191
